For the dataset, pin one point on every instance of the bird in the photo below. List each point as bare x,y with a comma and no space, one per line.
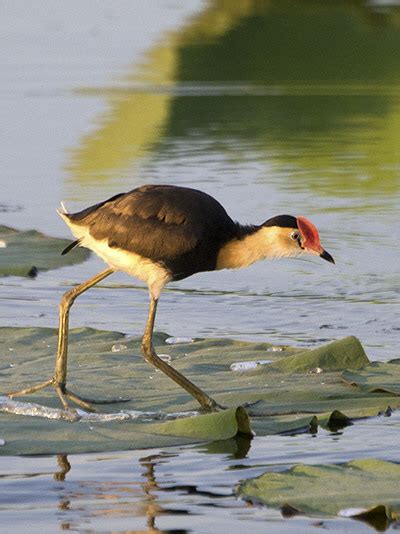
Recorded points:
161,234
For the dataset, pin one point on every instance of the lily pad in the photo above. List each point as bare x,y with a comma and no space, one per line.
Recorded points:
277,401
25,253
217,426
38,436
346,353
365,489
377,377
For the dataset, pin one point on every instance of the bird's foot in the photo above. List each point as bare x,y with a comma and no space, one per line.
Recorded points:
65,394
211,407
62,392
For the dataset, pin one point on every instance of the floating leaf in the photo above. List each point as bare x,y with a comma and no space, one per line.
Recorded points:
215,426
25,253
364,489
377,377
277,401
346,353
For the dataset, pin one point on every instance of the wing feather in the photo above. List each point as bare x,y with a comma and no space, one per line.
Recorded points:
157,222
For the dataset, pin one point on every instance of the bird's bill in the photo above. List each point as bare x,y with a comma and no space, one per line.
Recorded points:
326,256
317,250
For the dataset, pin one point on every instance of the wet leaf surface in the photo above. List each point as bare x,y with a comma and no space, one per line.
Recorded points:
364,489
26,253
377,377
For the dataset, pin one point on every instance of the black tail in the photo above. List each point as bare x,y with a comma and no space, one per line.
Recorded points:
70,247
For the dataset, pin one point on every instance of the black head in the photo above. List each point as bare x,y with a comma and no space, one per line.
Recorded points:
284,221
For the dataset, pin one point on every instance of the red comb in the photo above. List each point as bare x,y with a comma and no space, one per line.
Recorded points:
309,233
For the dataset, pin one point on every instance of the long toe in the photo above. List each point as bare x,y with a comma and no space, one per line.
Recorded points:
30,390
76,399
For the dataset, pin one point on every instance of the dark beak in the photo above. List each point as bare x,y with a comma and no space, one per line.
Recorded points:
326,256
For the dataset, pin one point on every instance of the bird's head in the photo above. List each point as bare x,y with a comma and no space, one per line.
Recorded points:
292,236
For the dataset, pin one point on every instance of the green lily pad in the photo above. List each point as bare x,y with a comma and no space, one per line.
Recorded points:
346,353
377,377
25,253
107,364
42,436
217,426
364,489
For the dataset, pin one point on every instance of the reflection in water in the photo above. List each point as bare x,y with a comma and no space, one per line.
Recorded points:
123,499
171,491
328,114
65,467
134,498
236,448
138,107
180,489
314,95
150,507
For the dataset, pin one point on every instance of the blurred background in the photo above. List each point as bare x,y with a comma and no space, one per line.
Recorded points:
275,106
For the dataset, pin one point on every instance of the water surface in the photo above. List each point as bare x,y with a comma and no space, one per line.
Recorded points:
180,489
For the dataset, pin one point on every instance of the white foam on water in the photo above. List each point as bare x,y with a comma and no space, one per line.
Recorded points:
178,340
31,409
248,366
8,405
90,417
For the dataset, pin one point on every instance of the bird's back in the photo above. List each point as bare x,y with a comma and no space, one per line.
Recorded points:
180,228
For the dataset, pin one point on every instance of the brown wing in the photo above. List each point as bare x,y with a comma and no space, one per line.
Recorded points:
158,222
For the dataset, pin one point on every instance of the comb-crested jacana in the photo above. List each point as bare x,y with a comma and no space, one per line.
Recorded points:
164,233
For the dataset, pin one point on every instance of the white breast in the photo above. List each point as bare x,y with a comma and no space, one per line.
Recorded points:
152,273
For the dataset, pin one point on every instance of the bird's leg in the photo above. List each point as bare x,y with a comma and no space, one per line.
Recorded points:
59,379
150,355
60,373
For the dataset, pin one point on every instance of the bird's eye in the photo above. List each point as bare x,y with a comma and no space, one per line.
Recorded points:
295,235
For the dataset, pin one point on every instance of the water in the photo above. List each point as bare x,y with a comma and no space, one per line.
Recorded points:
278,107
189,489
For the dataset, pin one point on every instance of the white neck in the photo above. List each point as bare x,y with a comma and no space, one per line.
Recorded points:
267,242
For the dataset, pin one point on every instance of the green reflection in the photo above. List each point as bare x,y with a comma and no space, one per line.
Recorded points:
315,96
136,114
296,41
